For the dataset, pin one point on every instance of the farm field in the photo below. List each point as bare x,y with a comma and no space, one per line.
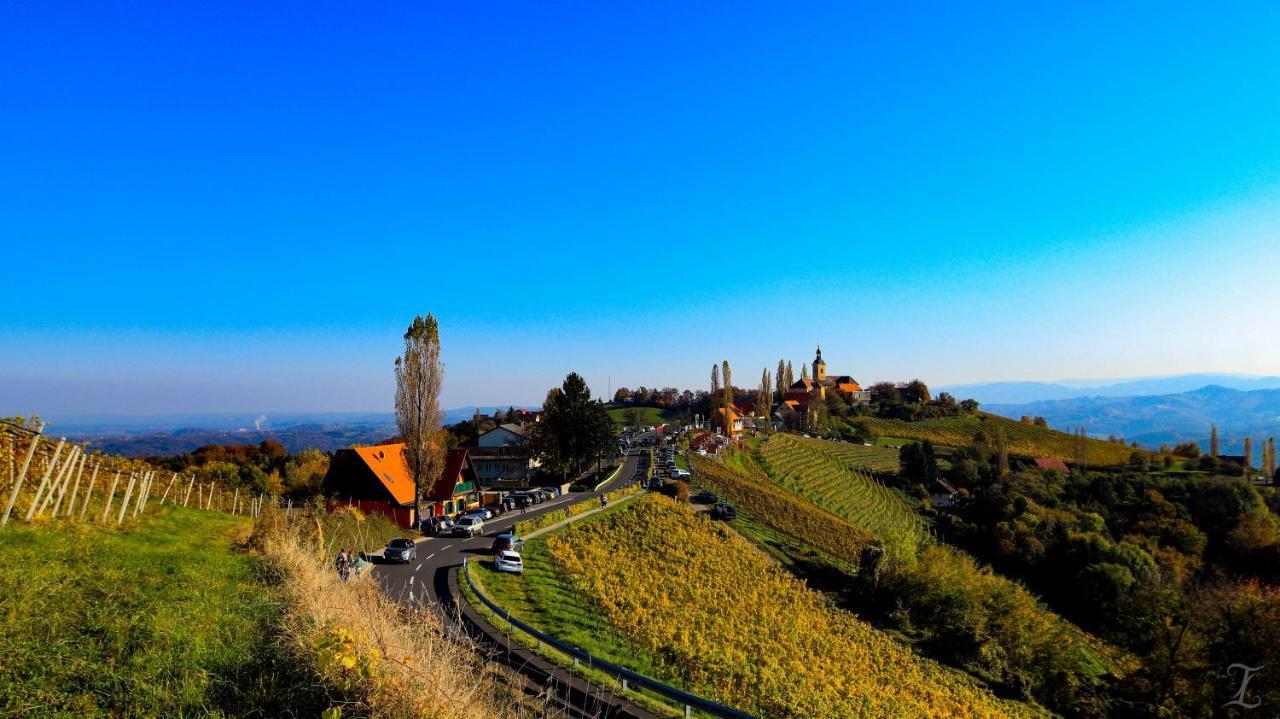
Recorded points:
818,470
783,510
718,618
1023,439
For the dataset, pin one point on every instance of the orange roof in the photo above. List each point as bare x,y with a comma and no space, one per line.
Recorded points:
387,462
1052,463
732,414
849,387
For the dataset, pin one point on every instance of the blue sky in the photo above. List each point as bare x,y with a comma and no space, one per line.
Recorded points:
238,207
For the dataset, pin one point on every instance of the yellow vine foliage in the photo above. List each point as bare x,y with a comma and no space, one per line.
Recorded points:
721,620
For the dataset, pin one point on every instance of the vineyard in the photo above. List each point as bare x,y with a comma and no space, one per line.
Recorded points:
42,480
783,510
1023,439
876,460
720,620
817,470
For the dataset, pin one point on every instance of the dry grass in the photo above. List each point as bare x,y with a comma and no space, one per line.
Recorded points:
379,659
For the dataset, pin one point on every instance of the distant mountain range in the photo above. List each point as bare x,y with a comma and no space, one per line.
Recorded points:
139,436
1152,420
988,393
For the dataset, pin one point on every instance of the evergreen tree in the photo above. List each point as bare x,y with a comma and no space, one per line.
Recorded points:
1213,440
575,429
1248,455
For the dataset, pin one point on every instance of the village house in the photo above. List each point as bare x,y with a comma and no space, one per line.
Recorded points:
376,480
503,453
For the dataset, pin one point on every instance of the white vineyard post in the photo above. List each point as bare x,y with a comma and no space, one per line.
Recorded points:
62,494
106,511
68,463
208,498
48,471
124,507
235,501
88,493
26,463
142,493
146,494
190,486
166,489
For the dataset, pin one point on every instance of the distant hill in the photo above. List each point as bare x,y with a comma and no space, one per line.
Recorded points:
147,436
1023,439
1166,418
1025,392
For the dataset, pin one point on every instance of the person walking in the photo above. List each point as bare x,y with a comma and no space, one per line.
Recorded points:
604,501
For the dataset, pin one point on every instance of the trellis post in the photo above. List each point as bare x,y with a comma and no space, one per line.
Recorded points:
106,510
44,481
17,485
88,493
124,507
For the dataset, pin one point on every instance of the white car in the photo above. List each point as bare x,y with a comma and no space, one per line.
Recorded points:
468,525
508,561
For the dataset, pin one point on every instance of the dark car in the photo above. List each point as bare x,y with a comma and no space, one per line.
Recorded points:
704,497
507,542
400,549
724,511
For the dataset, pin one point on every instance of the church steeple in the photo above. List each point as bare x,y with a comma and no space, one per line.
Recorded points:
819,366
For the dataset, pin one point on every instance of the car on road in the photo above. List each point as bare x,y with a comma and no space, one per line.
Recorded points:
400,549
680,474
507,541
483,513
508,561
468,525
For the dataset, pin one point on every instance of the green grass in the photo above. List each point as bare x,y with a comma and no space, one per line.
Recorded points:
826,474
159,618
649,416
1022,439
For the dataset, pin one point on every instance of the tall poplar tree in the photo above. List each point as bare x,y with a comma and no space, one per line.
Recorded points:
419,379
1213,440
781,378
764,394
1248,455
791,377
728,385
804,371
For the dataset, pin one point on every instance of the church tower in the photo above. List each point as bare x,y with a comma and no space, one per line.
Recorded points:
819,367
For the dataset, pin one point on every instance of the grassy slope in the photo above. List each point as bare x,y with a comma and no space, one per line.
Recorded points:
162,618
1023,439
648,415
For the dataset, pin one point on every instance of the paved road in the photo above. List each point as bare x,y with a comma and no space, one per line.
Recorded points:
424,582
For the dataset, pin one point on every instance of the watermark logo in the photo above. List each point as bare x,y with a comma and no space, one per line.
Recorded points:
1246,673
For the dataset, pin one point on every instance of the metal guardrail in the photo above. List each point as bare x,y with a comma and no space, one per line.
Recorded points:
626,676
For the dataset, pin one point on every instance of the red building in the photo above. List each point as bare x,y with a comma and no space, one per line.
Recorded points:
376,479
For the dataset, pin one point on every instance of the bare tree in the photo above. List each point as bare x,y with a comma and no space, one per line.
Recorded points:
419,379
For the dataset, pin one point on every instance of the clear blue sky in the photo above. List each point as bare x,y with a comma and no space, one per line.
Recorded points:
238,207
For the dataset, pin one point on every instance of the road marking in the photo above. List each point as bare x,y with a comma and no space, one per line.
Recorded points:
419,567
443,549
412,577
428,559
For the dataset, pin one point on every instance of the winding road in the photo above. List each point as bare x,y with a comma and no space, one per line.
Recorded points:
425,581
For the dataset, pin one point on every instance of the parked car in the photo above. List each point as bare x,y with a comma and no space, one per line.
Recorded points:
681,474
400,549
483,512
468,525
508,561
507,541
724,511
437,525
704,497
